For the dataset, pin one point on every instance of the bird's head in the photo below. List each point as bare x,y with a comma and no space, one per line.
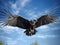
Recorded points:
30,32
33,22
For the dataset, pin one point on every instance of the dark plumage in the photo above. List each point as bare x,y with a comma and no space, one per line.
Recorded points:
18,21
29,25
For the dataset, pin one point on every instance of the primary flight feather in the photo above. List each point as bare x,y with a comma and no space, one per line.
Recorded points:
18,21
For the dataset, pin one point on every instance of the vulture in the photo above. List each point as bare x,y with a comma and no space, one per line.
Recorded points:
29,26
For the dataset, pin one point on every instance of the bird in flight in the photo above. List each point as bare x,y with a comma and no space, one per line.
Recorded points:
29,26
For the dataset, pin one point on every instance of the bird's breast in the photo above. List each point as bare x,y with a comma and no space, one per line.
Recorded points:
32,27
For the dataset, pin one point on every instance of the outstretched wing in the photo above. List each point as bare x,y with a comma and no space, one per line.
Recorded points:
6,18
18,21
22,23
45,19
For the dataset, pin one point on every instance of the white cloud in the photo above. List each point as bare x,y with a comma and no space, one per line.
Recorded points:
21,38
44,36
9,29
18,5
58,19
49,27
44,27
24,2
11,42
14,6
32,14
8,40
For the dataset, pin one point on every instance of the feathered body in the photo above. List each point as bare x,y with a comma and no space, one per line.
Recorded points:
18,21
30,26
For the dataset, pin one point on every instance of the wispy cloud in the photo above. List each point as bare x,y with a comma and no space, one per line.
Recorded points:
19,5
44,36
24,2
58,19
33,14
48,27
20,37
9,29
11,39
8,40
11,42
47,36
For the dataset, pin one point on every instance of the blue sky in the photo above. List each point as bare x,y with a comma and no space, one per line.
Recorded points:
31,9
